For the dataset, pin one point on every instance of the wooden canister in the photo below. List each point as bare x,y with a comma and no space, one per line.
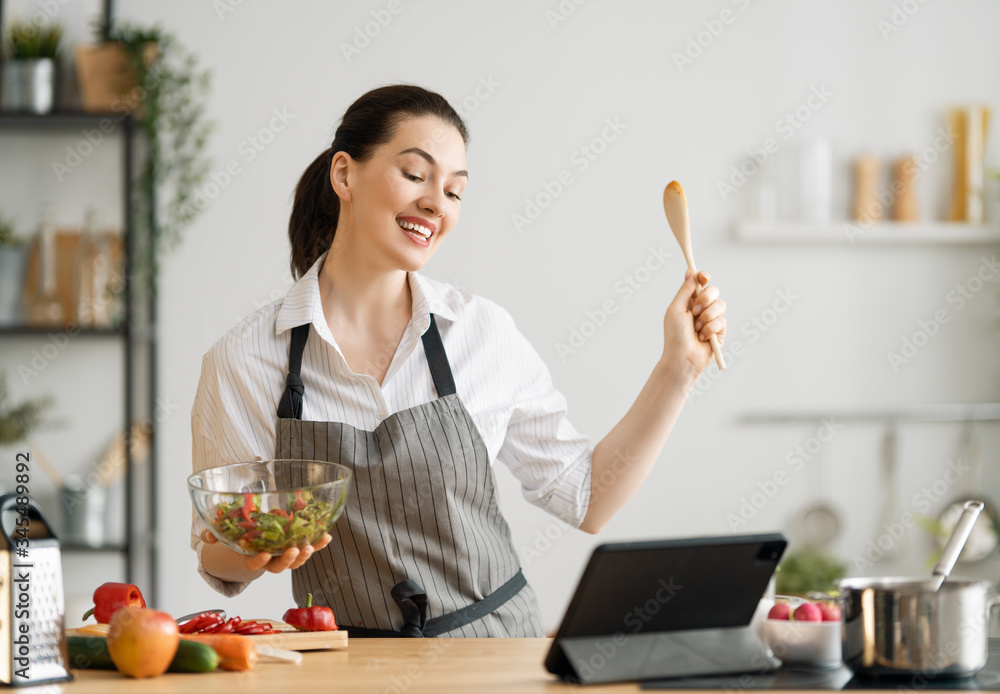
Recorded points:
904,190
969,126
867,207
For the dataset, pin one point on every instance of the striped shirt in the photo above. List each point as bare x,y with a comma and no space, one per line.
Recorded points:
499,376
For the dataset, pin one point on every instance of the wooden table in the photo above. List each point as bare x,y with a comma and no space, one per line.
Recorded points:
372,666
367,666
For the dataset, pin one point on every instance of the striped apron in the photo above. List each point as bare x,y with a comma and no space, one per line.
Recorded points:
421,549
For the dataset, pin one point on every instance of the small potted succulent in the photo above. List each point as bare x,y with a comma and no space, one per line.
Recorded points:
29,67
13,261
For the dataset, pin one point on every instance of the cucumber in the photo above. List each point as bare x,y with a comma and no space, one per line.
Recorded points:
194,657
91,652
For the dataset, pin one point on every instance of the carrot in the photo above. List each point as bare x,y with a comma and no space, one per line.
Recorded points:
235,652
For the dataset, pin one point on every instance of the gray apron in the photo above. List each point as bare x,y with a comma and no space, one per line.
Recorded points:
421,549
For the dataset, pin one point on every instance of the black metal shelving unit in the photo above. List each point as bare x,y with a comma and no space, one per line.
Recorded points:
137,334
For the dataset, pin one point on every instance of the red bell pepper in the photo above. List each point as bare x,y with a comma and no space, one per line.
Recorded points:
311,617
248,506
111,597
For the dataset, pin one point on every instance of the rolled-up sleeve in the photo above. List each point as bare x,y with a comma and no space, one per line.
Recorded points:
543,450
205,454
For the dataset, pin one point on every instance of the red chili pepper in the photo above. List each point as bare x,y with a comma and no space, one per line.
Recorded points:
111,597
205,619
202,621
310,617
248,506
255,629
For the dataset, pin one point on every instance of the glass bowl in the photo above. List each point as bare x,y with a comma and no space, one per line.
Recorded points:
270,505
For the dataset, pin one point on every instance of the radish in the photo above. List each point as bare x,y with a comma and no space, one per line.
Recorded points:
808,612
830,612
781,610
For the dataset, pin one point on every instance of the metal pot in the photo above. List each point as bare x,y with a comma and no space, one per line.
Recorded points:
902,626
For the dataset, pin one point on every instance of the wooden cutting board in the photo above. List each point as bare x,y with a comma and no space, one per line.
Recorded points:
288,638
292,640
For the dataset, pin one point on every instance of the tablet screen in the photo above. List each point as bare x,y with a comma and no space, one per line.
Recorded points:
671,585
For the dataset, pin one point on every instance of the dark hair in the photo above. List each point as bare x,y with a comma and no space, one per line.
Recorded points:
369,122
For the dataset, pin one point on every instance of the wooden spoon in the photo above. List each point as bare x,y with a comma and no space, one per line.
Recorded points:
676,207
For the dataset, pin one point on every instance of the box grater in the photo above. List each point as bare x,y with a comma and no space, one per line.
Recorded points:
32,601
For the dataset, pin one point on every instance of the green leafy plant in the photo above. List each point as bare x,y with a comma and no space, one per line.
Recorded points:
7,236
18,421
28,41
169,104
807,570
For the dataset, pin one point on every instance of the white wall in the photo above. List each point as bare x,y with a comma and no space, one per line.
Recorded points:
554,89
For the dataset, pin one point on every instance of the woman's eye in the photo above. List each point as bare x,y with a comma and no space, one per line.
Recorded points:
411,177
455,196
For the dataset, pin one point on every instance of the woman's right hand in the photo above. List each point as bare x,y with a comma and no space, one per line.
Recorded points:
292,558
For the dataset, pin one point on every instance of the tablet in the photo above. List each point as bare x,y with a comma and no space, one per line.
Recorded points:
643,601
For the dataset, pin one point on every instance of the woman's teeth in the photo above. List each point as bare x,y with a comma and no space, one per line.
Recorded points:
415,228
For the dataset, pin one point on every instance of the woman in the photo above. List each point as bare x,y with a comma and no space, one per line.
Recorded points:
418,389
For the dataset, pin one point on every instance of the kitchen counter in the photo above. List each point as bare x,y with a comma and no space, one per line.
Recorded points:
376,666
383,666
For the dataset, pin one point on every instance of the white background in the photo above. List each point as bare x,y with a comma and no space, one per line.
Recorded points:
554,85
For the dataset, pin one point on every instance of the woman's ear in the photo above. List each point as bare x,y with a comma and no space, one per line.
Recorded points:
340,174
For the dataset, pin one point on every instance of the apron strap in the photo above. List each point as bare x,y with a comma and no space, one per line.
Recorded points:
437,359
412,602
290,405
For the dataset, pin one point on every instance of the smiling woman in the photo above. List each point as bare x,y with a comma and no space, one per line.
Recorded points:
419,389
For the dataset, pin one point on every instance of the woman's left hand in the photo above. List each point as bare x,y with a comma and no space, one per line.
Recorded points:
691,320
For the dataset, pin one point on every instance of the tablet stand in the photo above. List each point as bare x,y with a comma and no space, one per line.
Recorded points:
662,654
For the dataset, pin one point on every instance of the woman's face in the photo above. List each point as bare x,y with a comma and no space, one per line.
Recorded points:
407,197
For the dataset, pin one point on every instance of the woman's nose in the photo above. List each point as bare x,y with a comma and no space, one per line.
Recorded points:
433,203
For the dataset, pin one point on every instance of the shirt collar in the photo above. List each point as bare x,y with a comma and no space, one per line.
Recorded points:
302,303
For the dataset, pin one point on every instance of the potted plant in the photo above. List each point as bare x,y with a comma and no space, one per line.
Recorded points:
18,421
13,261
149,73
29,66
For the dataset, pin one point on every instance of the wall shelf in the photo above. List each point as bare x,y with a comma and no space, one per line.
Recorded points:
61,119
35,330
952,412
848,233
136,334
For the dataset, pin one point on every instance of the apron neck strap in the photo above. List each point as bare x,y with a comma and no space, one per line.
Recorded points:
290,405
437,359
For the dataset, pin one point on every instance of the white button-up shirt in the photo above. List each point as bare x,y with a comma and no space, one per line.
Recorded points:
500,378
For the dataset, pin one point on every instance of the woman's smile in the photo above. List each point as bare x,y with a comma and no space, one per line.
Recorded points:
418,229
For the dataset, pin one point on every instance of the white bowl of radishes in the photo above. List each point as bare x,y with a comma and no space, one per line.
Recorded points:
803,632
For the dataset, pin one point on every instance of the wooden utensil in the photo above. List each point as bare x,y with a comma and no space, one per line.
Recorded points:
675,206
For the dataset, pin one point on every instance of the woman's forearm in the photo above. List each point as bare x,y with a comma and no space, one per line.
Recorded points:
227,564
622,459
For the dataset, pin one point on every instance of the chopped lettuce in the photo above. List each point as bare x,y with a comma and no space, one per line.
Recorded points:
303,521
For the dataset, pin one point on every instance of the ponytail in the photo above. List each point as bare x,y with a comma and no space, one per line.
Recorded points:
314,215
369,122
